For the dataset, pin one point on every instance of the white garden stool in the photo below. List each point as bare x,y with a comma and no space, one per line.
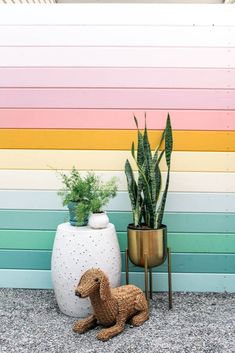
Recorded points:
75,250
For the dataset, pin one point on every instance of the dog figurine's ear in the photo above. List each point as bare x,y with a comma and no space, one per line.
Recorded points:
79,283
104,288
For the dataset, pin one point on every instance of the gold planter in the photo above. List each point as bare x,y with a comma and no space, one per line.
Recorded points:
148,248
150,243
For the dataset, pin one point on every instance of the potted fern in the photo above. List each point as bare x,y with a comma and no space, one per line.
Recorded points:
76,195
85,196
147,235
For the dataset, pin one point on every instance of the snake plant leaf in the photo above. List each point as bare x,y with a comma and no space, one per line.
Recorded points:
161,209
168,151
132,188
136,122
133,150
149,162
131,183
158,177
140,150
168,141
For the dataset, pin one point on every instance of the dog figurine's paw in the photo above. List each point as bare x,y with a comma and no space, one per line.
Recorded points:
79,327
103,336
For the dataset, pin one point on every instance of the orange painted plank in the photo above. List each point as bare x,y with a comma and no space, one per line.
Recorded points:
112,139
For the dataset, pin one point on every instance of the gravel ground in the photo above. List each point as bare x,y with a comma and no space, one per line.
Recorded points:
30,322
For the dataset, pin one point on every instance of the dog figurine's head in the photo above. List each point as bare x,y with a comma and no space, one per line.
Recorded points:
93,280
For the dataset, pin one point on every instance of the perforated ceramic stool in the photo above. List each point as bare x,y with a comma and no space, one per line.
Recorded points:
75,250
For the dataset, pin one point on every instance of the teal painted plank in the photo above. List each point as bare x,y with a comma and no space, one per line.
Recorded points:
29,259
32,219
181,262
181,282
176,201
176,222
178,242
193,263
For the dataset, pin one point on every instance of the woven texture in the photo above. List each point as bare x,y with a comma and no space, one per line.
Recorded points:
111,307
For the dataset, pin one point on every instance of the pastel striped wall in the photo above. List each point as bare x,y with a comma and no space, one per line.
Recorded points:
71,77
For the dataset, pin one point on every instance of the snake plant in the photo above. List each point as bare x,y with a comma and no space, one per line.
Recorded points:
147,201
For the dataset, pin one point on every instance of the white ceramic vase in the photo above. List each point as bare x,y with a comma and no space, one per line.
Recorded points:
98,220
75,250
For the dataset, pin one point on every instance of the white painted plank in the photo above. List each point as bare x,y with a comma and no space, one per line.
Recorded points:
117,56
176,201
176,36
119,14
181,282
179,181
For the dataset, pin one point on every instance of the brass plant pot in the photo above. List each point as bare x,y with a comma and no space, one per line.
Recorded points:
150,243
148,248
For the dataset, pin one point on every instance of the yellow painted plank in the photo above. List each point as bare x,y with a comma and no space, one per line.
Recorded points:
112,139
111,160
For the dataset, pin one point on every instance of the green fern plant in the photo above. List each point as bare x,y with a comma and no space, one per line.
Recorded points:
89,193
147,202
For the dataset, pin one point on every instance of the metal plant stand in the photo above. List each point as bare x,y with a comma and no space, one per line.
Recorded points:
149,288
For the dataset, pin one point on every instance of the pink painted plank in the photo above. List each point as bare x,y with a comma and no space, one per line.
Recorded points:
117,77
118,98
115,119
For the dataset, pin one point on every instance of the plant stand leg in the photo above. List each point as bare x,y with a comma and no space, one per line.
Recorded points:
146,274
169,278
151,282
127,269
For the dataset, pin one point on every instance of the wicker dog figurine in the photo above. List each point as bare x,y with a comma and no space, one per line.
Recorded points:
111,307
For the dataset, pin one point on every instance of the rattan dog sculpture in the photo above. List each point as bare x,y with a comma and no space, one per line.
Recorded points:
111,307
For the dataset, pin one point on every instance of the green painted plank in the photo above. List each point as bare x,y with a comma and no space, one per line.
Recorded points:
176,222
37,239
202,242
26,239
181,262
194,242
178,242
181,282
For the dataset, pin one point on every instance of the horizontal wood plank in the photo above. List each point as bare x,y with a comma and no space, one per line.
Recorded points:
176,222
115,77
115,119
213,141
179,181
117,57
118,36
176,202
193,282
166,99
111,160
120,14
178,242
192,263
